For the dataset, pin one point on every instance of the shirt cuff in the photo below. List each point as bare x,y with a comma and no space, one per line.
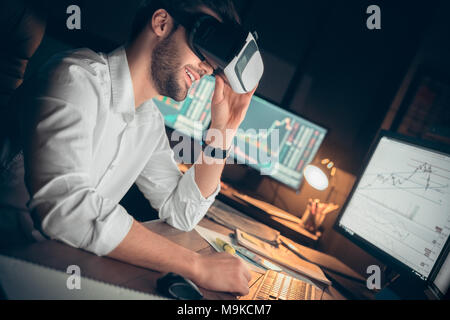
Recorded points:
187,206
189,185
109,234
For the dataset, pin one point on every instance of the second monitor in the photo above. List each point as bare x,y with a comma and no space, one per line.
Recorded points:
399,209
267,132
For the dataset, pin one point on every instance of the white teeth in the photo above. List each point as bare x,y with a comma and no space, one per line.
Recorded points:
190,75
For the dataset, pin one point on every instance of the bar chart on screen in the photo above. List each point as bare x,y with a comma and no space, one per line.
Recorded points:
192,115
277,142
270,139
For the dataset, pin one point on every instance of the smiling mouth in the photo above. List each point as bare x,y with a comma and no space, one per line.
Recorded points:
191,76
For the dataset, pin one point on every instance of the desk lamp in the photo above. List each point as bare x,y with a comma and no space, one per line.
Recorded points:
320,174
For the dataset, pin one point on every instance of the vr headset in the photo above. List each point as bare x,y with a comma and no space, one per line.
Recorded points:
226,46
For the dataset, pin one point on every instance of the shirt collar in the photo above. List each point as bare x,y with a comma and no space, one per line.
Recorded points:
121,84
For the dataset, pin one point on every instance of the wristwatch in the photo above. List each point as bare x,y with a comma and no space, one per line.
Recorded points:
213,152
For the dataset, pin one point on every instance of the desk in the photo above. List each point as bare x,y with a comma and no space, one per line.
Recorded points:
59,256
290,229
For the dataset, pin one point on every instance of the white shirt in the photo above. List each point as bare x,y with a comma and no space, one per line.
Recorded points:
87,145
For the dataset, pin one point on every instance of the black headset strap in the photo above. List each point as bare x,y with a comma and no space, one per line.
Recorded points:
192,21
189,21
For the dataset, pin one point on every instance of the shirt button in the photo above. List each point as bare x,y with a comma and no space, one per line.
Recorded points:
128,117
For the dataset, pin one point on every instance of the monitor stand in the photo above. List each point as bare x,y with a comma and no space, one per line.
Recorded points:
242,177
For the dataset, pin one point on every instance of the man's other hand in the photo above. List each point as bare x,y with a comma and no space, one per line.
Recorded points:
222,272
228,108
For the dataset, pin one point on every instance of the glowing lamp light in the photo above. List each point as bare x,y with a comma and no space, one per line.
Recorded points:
316,177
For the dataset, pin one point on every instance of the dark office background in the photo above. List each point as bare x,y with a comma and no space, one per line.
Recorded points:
321,61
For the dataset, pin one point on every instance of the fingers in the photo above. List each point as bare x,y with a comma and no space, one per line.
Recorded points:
246,97
243,269
244,288
244,277
240,276
247,273
251,93
218,90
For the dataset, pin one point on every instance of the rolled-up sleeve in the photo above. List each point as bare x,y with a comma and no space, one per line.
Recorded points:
60,120
177,197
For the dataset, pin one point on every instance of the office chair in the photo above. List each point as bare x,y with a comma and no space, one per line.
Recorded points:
22,27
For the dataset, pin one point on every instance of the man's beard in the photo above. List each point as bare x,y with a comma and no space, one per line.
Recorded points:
165,69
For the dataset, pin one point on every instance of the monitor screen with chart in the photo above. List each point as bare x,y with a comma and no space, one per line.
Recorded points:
192,115
276,134
271,140
400,207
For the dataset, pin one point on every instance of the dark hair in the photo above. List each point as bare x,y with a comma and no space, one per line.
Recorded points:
225,9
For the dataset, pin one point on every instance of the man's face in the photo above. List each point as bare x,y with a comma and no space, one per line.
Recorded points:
175,67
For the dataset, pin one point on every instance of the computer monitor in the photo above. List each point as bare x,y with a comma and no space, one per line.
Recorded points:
296,146
399,209
297,142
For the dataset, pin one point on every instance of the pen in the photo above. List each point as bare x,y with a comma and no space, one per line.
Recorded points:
225,246
258,260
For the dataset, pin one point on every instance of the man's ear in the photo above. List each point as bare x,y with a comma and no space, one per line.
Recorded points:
161,23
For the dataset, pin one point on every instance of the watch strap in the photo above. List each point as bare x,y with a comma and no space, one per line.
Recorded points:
214,152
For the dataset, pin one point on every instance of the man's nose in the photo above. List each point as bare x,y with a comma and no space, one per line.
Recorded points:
205,66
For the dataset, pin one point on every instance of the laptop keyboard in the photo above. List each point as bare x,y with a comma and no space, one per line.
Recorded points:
278,286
